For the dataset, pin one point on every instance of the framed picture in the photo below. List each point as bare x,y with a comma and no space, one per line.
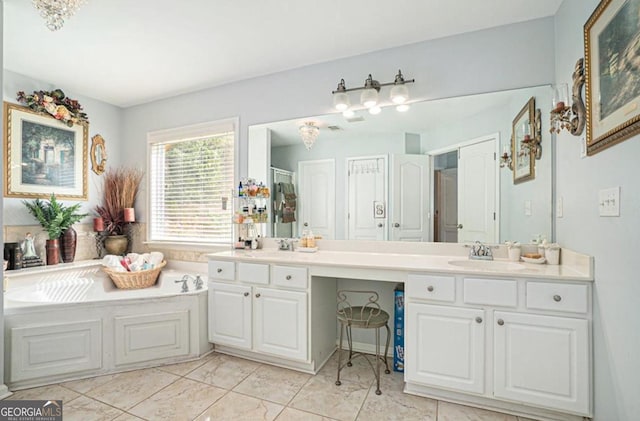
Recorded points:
43,155
521,137
612,70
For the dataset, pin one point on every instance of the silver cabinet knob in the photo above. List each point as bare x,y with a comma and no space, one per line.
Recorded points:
396,225
246,294
478,319
288,277
430,288
459,226
219,270
557,298
258,295
306,224
500,322
380,225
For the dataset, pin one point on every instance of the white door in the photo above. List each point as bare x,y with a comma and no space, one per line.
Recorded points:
477,192
317,197
445,347
280,323
230,314
367,198
542,360
409,192
446,209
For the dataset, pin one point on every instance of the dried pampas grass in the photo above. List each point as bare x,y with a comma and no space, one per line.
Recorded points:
120,190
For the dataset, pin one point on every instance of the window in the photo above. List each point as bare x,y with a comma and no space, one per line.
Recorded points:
191,177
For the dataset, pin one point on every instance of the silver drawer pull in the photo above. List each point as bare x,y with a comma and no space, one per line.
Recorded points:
478,319
258,295
430,288
500,322
246,294
288,277
557,298
219,270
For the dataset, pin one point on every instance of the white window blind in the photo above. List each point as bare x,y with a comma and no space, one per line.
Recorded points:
191,170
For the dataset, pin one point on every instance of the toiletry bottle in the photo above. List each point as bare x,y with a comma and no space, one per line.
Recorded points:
311,240
303,238
240,190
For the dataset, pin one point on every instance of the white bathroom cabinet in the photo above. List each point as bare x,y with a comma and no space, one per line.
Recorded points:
503,342
261,311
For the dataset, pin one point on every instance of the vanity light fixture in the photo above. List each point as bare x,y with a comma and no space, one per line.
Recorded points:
571,117
369,97
56,11
309,133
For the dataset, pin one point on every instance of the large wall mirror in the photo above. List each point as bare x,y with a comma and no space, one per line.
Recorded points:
431,173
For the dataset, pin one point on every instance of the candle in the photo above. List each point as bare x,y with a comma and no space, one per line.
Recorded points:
98,224
129,215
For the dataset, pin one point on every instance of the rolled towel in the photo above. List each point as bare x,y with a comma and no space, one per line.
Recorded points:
112,262
155,258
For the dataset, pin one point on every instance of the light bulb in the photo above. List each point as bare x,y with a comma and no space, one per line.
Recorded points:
341,101
403,108
399,94
375,110
369,97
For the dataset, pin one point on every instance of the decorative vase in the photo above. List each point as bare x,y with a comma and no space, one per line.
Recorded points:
116,244
68,241
53,252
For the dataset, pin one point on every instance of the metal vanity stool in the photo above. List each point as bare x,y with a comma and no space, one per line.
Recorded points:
367,316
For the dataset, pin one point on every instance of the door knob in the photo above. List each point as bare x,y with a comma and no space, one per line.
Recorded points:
459,226
380,225
397,225
306,224
500,322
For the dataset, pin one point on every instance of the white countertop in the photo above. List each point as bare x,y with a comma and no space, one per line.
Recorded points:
576,269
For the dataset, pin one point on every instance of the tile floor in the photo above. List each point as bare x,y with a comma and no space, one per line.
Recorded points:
219,387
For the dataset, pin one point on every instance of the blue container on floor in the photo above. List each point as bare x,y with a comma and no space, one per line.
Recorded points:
398,329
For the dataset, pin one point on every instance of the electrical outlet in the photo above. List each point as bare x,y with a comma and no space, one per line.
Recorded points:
609,202
559,207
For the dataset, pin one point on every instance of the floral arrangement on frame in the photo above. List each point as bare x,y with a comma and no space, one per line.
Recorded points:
56,104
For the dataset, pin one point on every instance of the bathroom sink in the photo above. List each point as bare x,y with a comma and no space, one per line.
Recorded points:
487,265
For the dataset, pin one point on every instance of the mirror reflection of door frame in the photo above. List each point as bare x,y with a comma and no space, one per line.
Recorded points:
309,200
496,138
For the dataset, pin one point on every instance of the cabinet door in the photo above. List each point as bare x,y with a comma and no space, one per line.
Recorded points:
542,360
280,323
230,315
445,347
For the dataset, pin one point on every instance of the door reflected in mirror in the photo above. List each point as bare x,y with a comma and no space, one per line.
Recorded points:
435,170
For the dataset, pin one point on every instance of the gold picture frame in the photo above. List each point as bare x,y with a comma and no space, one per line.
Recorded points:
43,155
98,154
612,70
521,137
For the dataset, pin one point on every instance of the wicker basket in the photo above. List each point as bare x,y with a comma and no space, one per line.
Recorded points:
135,280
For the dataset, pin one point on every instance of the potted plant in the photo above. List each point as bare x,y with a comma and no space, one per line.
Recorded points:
56,219
120,190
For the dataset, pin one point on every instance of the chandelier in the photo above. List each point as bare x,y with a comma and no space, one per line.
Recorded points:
56,11
309,133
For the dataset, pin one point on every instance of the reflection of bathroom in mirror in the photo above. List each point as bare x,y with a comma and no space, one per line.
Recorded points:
429,174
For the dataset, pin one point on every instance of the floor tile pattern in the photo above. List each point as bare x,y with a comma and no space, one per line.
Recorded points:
219,387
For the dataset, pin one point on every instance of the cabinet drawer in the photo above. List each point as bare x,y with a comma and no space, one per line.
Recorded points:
495,292
219,269
437,288
253,273
572,298
289,276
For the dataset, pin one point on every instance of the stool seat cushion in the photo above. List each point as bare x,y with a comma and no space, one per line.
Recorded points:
357,317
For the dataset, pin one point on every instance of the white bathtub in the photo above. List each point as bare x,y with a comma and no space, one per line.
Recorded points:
70,321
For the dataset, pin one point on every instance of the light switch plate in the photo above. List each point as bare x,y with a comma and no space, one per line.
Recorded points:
609,202
527,207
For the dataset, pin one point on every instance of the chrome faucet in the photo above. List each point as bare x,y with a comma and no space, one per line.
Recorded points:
480,251
286,244
197,282
185,287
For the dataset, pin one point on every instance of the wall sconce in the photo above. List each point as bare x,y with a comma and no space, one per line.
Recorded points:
505,158
533,135
309,133
571,117
369,97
